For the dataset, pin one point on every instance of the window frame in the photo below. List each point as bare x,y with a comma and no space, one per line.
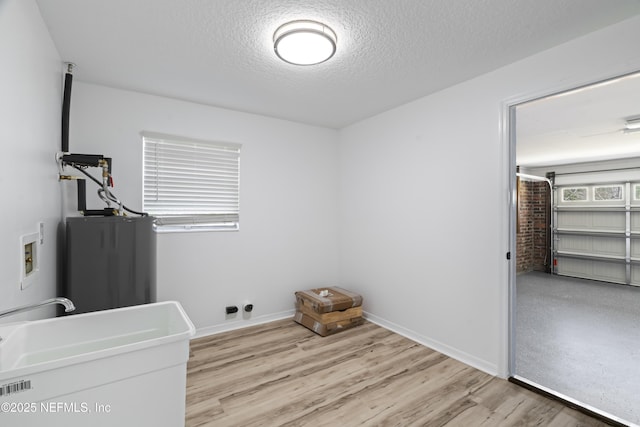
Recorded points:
221,198
574,187
636,194
620,186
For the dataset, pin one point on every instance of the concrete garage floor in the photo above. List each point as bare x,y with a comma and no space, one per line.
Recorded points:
581,338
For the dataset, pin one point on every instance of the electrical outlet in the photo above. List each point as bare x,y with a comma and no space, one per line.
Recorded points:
247,308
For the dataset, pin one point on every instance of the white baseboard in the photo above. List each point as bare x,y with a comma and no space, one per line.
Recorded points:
455,353
240,324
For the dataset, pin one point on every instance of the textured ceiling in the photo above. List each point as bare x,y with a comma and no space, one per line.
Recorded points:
219,52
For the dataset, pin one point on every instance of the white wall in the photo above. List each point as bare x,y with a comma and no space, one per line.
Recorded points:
30,105
421,214
424,209
288,202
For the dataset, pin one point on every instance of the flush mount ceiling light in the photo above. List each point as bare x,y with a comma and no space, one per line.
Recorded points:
304,42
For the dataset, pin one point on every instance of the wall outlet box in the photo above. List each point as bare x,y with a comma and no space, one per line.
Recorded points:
29,259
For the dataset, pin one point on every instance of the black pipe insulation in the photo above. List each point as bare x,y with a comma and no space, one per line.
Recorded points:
82,159
66,106
82,195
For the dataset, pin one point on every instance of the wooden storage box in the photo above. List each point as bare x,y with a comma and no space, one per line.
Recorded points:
328,310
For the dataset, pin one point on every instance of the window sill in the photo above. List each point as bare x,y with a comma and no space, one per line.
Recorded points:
162,229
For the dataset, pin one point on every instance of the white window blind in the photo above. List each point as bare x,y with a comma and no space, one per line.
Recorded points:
190,184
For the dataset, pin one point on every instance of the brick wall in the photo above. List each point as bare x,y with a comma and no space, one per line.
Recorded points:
531,238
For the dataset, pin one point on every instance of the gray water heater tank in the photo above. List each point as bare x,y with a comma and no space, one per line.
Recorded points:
110,262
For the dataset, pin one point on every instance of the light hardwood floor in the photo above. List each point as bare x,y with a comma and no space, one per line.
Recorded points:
281,374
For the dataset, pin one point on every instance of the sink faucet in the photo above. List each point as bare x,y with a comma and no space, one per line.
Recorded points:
68,306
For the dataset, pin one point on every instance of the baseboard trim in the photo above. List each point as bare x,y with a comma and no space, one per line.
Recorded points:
463,357
241,324
452,352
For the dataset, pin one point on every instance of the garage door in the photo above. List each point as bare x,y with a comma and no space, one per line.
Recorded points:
596,231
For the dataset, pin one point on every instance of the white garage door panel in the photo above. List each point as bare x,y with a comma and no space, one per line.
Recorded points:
592,231
592,269
635,221
635,274
592,245
635,249
600,221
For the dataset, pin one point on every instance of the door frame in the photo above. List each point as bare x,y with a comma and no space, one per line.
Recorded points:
508,131
508,126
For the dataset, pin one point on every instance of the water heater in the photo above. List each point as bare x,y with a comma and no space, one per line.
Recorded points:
110,262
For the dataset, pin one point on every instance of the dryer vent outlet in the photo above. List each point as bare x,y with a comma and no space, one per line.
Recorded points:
230,309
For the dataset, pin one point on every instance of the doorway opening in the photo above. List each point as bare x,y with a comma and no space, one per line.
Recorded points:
575,299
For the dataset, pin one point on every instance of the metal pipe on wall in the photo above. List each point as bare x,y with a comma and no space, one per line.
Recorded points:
534,178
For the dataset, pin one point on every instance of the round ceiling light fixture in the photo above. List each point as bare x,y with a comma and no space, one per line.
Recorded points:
304,42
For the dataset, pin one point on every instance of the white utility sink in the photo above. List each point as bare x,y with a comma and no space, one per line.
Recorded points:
125,366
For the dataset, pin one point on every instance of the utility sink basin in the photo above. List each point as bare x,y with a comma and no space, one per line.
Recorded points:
130,361
63,340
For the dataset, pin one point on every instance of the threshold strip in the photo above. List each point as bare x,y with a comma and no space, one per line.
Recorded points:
605,417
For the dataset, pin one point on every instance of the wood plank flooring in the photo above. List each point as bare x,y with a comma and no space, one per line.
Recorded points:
282,374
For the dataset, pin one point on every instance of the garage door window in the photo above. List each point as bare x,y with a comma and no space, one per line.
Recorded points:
608,193
574,194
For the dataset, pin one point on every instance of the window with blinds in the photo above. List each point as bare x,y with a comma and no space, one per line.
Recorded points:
191,185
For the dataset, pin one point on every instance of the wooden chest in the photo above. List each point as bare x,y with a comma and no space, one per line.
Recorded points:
328,310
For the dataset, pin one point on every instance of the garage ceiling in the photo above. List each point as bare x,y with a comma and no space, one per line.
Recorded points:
583,125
